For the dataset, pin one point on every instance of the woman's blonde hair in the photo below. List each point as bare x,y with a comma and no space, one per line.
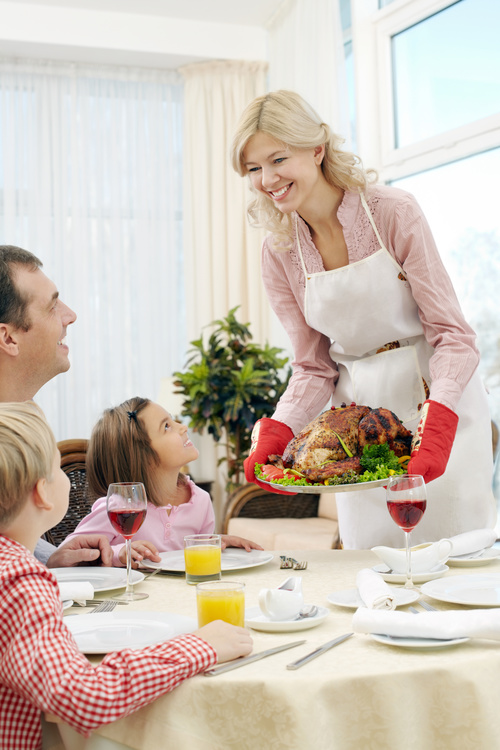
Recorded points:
120,450
27,450
291,121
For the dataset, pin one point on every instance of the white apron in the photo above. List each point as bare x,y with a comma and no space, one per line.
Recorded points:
368,306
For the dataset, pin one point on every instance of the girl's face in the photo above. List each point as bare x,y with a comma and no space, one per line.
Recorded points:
287,176
168,438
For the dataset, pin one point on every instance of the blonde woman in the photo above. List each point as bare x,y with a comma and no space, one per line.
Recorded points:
352,271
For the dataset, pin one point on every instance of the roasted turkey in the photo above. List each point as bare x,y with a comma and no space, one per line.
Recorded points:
319,450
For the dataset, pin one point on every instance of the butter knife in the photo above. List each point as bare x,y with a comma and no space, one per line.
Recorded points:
318,652
249,659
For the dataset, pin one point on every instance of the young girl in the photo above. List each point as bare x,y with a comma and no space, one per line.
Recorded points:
139,441
41,668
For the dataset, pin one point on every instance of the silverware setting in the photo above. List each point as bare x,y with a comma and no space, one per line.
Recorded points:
249,659
317,652
289,562
107,606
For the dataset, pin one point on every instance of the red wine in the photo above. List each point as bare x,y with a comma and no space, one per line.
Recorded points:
127,522
407,513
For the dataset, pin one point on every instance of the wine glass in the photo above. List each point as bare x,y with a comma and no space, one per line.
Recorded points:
406,502
127,506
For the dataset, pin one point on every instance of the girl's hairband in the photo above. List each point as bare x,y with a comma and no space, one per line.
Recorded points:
132,415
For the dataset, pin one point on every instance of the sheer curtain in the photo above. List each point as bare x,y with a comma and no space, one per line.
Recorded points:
222,253
306,55
91,182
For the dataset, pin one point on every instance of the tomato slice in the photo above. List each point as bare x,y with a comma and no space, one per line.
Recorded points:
272,472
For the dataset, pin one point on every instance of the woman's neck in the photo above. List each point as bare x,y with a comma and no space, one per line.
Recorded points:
320,211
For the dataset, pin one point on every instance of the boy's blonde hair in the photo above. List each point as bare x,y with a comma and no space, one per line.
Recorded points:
291,121
27,448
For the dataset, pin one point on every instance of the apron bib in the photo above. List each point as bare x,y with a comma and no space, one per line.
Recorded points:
367,311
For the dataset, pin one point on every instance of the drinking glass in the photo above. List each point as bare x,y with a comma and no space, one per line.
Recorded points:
221,600
127,507
406,502
202,556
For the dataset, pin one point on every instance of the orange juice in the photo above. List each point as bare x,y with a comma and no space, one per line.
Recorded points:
220,601
203,562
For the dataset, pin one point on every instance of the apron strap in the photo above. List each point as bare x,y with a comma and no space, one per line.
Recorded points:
368,213
296,227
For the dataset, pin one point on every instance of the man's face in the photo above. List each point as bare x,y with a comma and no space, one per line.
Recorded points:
42,350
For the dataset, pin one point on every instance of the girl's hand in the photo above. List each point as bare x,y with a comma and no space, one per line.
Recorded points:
238,541
140,550
230,642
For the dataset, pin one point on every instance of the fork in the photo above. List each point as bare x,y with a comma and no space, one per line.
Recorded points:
300,565
428,607
107,606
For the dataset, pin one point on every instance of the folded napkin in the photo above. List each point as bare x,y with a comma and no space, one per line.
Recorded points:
472,541
374,591
79,591
476,623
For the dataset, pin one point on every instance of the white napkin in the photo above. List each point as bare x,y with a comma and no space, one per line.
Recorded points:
472,541
79,591
476,623
374,591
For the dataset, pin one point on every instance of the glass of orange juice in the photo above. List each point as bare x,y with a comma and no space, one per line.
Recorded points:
202,557
221,600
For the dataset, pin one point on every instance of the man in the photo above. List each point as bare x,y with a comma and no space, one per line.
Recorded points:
33,323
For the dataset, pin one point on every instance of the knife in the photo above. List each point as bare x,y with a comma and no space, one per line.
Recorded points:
318,652
249,659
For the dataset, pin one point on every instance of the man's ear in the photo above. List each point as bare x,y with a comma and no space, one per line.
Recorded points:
41,496
9,343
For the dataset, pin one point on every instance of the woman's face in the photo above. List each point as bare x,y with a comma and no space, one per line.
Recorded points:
168,438
286,176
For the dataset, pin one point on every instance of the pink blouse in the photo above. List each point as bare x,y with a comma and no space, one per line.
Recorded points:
164,526
408,238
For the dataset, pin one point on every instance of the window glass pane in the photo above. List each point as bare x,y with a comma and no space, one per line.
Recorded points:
460,201
446,70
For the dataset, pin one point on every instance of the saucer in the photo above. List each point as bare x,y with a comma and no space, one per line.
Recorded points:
351,599
257,621
402,642
430,575
486,556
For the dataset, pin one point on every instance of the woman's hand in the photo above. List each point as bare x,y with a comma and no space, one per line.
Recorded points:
227,540
140,550
433,441
268,437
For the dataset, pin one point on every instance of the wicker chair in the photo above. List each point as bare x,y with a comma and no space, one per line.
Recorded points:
303,521
73,453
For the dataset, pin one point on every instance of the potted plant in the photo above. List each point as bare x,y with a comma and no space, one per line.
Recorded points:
228,384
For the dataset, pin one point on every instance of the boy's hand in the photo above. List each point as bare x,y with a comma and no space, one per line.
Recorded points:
229,641
140,550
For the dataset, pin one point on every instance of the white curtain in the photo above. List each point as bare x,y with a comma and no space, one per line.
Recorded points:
222,253
91,182
306,55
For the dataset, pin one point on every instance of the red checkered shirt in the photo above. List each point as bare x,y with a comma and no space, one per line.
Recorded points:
41,668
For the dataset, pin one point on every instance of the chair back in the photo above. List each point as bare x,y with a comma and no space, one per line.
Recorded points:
81,499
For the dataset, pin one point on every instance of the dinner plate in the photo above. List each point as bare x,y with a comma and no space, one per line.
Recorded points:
231,559
102,579
393,640
429,575
257,621
111,631
486,556
316,488
351,599
473,590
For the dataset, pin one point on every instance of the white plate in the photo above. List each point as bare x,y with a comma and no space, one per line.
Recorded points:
67,604
102,579
392,640
112,631
310,489
478,590
231,559
257,621
351,599
430,575
486,556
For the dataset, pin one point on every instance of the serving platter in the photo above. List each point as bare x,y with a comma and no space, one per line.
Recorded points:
314,489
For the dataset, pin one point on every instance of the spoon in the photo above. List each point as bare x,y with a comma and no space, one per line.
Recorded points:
309,611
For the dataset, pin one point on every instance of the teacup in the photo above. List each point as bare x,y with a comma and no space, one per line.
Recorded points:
424,557
284,602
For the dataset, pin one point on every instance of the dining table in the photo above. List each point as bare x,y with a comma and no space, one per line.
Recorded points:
359,695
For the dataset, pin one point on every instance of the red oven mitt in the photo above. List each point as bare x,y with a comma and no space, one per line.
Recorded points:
268,436
433,440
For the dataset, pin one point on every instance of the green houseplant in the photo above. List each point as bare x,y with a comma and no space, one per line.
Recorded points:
228,384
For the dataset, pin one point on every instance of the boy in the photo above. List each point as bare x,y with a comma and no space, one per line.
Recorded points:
41,668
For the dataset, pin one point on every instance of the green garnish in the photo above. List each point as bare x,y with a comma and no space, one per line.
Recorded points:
378,455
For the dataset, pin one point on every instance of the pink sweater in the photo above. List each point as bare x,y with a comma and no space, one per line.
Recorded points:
408,238
164,526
